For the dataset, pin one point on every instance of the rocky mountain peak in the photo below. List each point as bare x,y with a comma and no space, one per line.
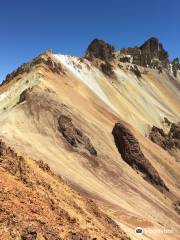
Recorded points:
100,49
150,54
155,49
152,44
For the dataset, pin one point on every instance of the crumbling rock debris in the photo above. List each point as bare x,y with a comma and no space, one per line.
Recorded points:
35,211
100,49
13,163
129,148
74,136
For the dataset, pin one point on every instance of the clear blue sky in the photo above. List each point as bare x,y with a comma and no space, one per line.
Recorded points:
30,27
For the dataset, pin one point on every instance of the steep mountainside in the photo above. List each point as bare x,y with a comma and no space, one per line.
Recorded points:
62,110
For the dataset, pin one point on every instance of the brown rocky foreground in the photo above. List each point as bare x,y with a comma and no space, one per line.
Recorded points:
37,204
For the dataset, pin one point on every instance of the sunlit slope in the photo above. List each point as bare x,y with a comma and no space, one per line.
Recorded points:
142,102
31,126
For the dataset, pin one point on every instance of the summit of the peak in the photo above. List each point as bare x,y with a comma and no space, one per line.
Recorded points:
155,47
100,49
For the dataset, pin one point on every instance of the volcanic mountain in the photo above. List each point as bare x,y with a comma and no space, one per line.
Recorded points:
90,146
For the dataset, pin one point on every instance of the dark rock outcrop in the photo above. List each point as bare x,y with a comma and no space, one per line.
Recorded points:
101,54
158,136
175,131
153,49
175,66
107,69
74,136
136,71
100,49
129,148
167,141
24,95
150,54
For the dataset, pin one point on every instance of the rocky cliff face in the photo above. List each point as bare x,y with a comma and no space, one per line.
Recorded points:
100,49
101,54
150,54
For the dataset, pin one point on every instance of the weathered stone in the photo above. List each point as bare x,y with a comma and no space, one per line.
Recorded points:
167,141
74,136
129,148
